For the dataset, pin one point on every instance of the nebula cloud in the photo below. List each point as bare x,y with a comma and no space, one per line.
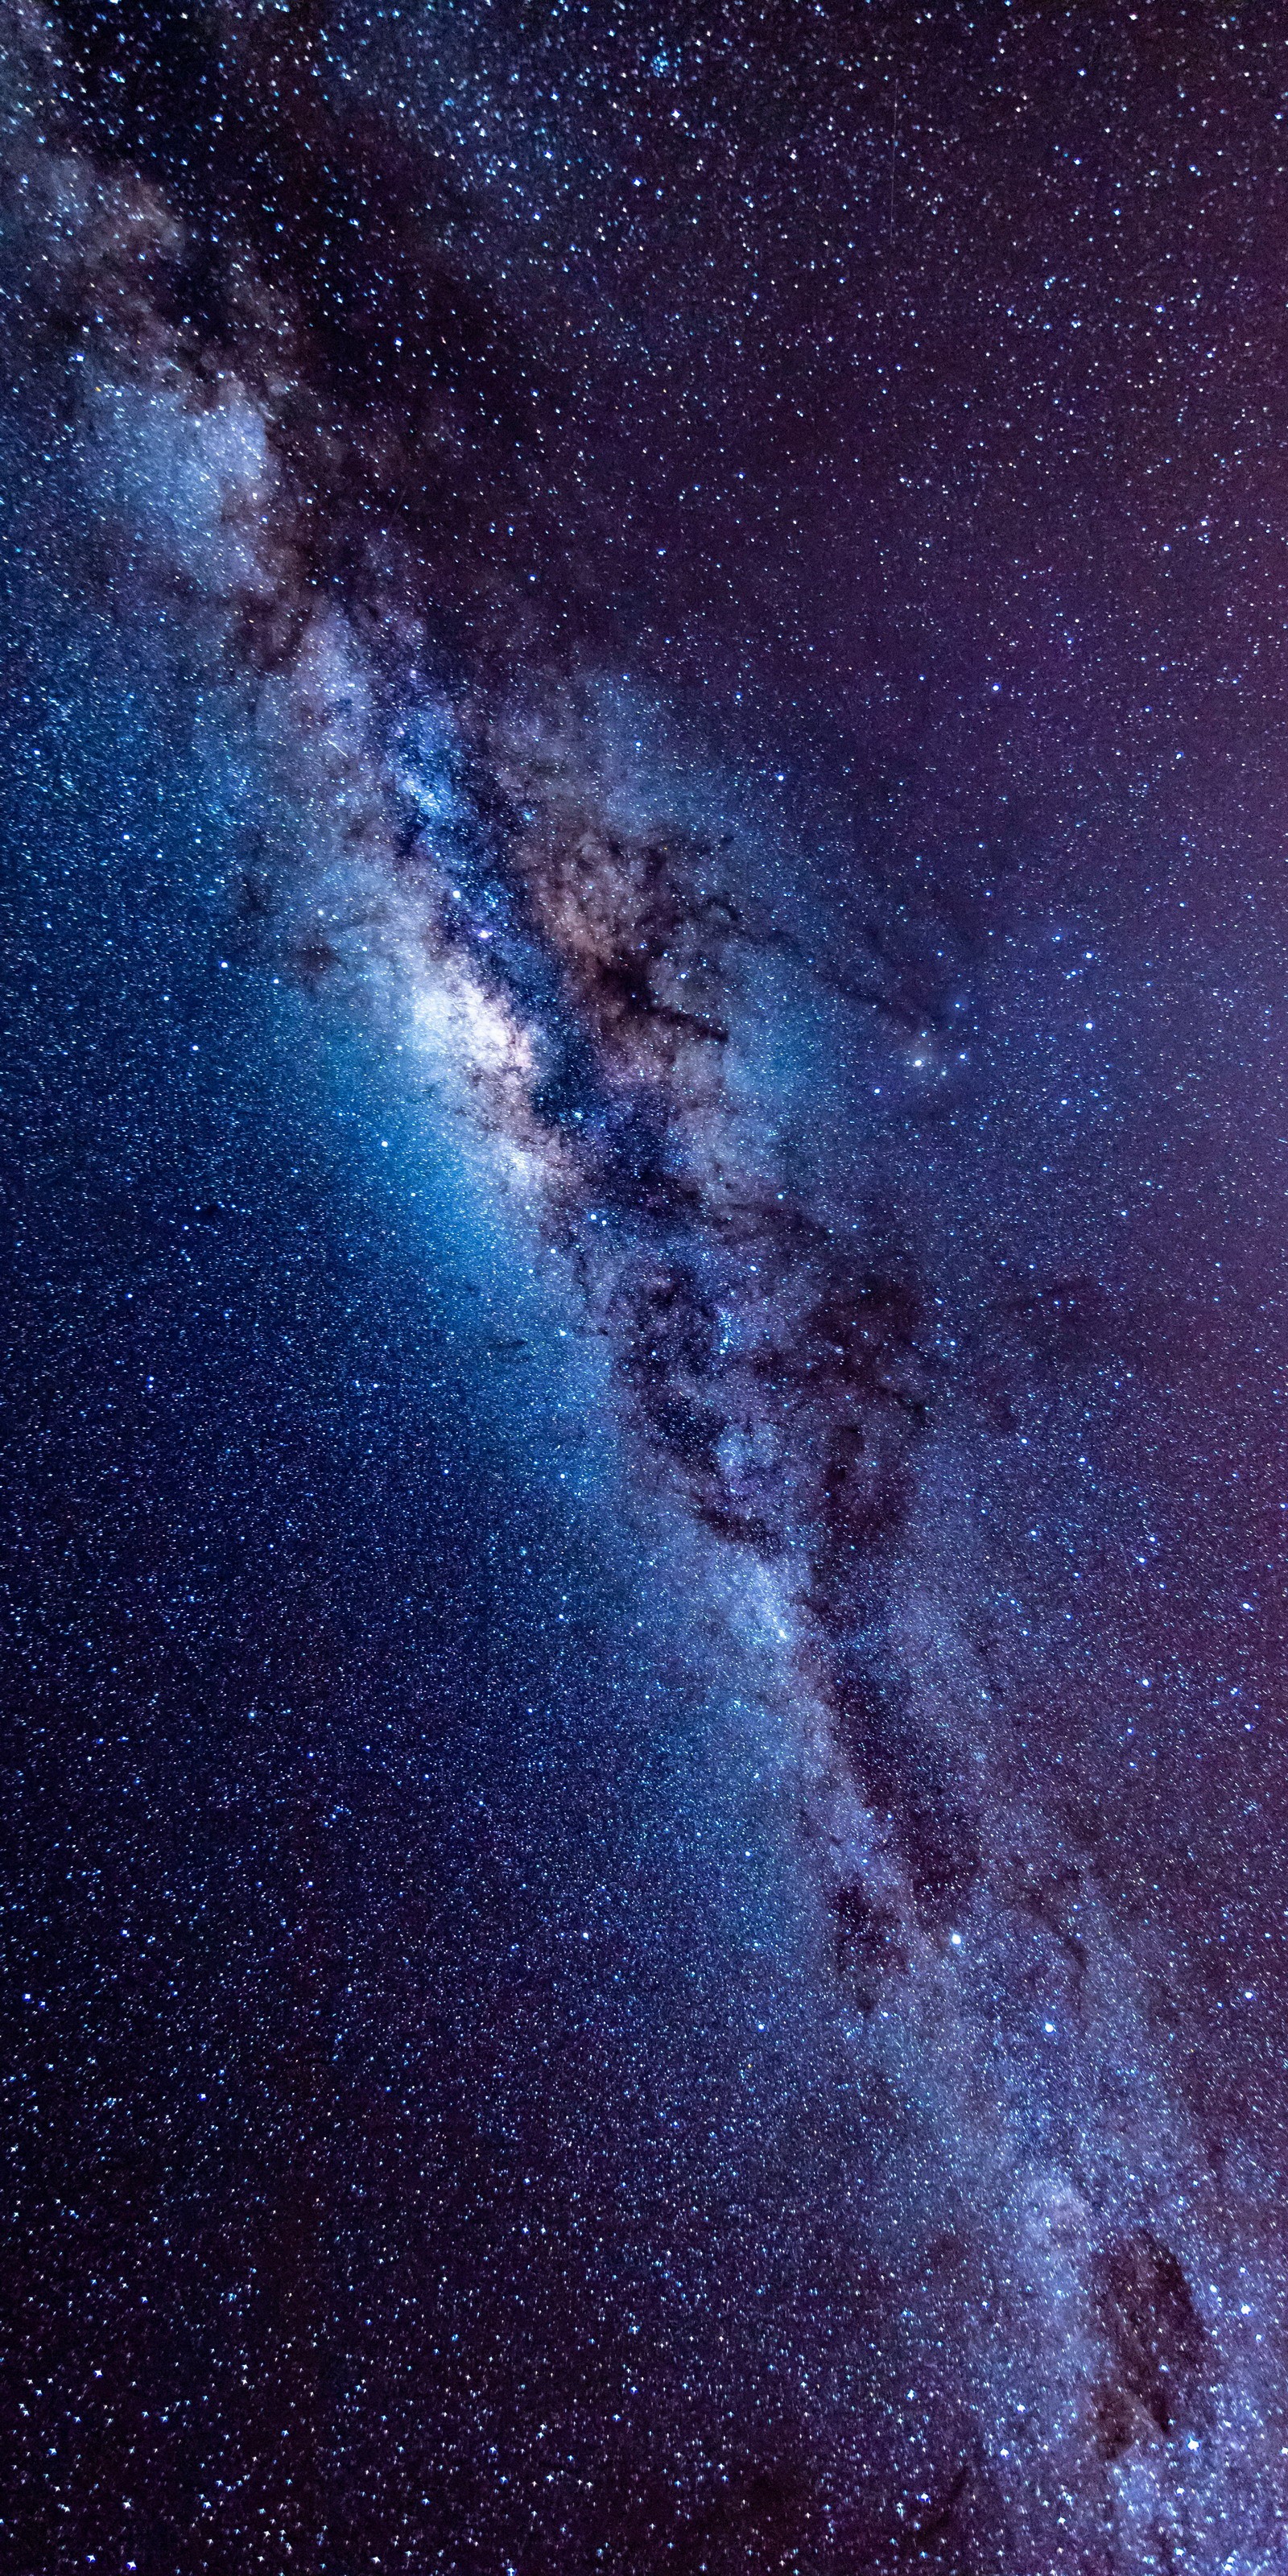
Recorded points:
665,1023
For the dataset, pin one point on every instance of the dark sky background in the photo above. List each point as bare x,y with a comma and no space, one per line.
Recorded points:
644,810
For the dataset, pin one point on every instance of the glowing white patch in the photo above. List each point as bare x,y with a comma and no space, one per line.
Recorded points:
471,1033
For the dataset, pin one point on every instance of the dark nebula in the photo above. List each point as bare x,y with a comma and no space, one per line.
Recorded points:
645,1167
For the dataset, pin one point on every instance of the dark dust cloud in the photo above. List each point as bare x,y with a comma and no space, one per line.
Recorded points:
645,1162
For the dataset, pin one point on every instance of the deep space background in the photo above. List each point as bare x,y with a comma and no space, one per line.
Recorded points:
644,814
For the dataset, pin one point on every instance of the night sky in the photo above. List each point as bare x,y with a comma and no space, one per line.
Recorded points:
645,1144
